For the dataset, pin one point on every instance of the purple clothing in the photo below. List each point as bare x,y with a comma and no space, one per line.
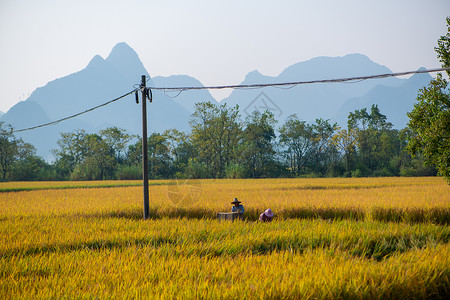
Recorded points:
264,218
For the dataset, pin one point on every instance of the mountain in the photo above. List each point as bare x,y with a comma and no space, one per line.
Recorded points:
102,80
1,113
394,102
330,100
311,101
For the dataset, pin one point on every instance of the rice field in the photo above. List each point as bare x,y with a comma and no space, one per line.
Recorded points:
331,238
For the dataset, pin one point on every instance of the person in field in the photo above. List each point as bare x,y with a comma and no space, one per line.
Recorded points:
238,207
266,216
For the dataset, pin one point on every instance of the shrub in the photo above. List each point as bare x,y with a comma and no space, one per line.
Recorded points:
235,171
357,173
129,172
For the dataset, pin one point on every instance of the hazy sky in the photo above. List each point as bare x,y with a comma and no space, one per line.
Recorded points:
217,42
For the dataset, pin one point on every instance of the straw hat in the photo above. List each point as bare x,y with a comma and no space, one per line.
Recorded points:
269,213
236,201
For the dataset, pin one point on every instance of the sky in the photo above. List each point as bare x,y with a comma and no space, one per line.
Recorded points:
217,42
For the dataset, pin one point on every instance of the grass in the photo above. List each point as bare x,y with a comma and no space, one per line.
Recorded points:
356,238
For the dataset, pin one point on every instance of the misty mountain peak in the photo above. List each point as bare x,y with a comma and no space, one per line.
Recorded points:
96,61
253,77
418,79
121,51
124,59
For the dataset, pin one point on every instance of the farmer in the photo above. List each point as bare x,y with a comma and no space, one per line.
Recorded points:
238,207
266,216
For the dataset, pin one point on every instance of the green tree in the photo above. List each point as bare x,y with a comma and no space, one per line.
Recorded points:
430,118
117,139
181,149
215,133
373,137
18,160
159,159
324,151
430,126
85,156
257,143
97,159
28,166
100,156
8,149
71,152
296,139
345,141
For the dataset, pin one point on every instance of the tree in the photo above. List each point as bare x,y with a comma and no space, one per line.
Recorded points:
96,159
159,159
257,143
345,141
28,166
181,149
430,126
71,152
296,137
215,134
85,156
373,135
99,156
117,139
18,160
8,149
430,118
324,150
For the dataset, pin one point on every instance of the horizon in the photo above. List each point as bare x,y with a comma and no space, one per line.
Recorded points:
198,39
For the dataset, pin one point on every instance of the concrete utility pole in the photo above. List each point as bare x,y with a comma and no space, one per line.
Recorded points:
144,148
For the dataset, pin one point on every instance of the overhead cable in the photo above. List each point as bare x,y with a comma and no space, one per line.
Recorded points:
75,115
239,86
295,83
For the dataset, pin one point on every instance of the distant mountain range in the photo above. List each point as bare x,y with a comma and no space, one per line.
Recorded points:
106,79
394,96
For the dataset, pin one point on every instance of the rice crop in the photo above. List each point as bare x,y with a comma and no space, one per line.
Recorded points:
331,238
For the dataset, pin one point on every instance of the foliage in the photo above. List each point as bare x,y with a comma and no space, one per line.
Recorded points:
125,172
8,149
430,126
430,118
117,139
345,141
296,137
443,48
257,149
235,171
18,160
215,135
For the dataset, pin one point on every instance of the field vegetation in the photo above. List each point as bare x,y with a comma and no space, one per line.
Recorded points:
331,238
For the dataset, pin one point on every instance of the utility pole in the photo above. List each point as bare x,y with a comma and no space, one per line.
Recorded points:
144,147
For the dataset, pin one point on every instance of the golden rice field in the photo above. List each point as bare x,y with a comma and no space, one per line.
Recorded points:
331,238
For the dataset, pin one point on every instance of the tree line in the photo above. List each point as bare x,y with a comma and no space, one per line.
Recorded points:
219,145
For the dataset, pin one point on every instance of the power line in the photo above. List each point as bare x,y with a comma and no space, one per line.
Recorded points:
295,83
75,115
239,86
